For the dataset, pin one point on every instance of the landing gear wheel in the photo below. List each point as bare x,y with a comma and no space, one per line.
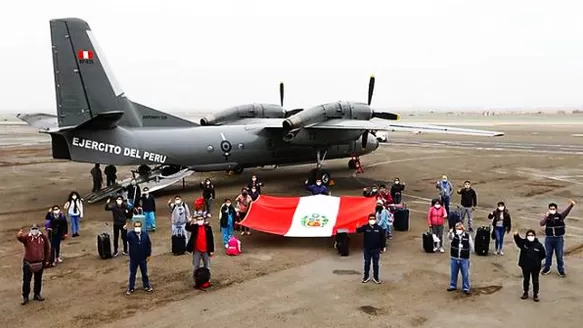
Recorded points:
352,164
319,174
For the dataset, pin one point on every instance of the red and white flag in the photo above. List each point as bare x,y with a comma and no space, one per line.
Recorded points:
85,54
310,216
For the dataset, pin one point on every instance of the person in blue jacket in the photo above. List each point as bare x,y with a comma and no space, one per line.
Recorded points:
140,250
317,189
384,218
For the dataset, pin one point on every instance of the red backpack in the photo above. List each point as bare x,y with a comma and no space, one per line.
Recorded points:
199,204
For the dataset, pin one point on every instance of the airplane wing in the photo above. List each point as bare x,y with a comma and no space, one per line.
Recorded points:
388,126
40,120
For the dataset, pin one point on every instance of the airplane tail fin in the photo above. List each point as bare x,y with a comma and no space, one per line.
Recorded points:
85,85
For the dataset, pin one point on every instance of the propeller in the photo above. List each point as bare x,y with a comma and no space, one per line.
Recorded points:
382,115
287,113
281,93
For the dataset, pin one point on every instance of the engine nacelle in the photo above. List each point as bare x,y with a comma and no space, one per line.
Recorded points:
245,111
338,110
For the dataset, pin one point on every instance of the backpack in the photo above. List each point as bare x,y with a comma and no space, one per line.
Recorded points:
233,246
202,277
199,203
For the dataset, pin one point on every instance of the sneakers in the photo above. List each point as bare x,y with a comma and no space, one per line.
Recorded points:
467,292
376,280
501,253
24,301
242,233
148,289
451,289
365,280
248,233
535,298
441,250
39,298
562,274
59,260
129,292
226,245
524,296
116,254
434,249
546,271
124,253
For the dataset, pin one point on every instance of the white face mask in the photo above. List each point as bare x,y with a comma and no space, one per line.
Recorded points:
374,190
119,202
553,211
35,232
178,202
318,183
74,197
437,206
138,229
459,231
253,190
444,180
372,222
56,213
467,186
397,182
530,238
228,204
501,208
254,179
208,182
200,222
133,183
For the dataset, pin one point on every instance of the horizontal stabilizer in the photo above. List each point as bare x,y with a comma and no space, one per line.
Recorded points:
40,120
102,121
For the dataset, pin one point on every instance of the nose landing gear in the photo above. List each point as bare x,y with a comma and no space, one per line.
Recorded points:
319,173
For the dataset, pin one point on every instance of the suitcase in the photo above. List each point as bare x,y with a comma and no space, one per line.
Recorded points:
138,215
202,278
482,241
342,243
104,245
428,242
179,243
401,219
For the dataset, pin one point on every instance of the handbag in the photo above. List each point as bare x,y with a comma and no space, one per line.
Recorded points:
34,267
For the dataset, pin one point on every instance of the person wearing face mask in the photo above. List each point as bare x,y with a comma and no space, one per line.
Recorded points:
397,191
469,201
140,249
208,193
243,201
554,223
201,242
384,218
375,243
227,220
316,189
436,217
372,192
74,207
445,188
462,245
255,183
532,253
385,195
56,225
119,212
501,223
37,249
254,193
148,206
180,214
134,194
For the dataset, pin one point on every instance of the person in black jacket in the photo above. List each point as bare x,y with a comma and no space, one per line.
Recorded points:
469,201
397,191
140,247
148,206
97,176
120,213
58,229
372,192
501,223
255,183
201,242
110,174
208,193
532,252
374,243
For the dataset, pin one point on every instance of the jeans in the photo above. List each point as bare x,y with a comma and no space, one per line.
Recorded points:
445,203
207,204
226,232
466,211
526,274
27,275
143,271
374,255
55,248
199,256
555,244
74,223
499,234
116,230
389,230
242,216
456,265
438,231
130,204
150,218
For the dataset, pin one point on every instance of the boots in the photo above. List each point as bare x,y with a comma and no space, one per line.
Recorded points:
24,300
524,296
535,298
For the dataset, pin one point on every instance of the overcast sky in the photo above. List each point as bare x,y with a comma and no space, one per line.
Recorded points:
200,55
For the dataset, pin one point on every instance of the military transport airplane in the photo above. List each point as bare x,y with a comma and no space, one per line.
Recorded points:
97,123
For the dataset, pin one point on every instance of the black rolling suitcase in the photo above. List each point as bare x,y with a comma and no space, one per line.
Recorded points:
482,241
104,245
342,243
202,278
401,219
179,242
428,242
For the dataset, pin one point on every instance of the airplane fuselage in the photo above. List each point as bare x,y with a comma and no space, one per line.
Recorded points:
203,148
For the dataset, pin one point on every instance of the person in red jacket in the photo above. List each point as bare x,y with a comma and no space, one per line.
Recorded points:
384,195
436,217
37,252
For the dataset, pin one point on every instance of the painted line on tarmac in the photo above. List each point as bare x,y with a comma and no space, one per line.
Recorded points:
549,177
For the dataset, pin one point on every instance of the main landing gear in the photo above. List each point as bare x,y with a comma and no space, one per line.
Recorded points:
320,173
237,170
354,164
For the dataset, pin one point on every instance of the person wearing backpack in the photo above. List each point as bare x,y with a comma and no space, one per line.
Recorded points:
179,215
227,218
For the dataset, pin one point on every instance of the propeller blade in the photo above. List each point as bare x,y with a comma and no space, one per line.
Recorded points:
281,93
385,115
364,139
370,89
